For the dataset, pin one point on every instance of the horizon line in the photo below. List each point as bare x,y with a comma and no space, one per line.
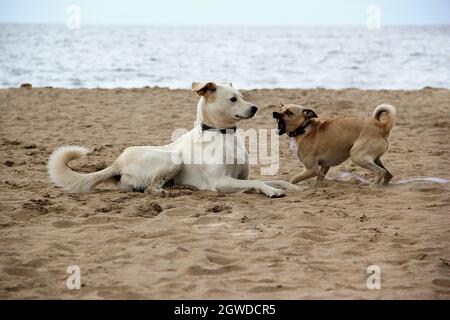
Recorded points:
224,25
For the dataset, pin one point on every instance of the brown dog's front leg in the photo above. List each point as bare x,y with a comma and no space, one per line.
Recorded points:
303,176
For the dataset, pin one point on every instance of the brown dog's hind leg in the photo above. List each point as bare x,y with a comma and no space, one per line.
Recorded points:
306,174
370,165
388,175
322,173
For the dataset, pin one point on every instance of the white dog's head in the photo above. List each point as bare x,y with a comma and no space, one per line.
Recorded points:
221,105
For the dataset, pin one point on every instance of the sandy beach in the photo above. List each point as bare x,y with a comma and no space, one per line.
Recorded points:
315,243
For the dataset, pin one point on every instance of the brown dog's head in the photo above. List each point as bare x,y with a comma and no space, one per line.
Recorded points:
293,117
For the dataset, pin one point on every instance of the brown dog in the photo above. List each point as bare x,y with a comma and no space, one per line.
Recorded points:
323,144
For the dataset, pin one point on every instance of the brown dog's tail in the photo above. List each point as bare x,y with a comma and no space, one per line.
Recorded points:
72,181
391,114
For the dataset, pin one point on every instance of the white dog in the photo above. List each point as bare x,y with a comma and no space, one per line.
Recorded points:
149,168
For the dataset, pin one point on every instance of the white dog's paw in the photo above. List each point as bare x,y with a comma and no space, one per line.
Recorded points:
275,193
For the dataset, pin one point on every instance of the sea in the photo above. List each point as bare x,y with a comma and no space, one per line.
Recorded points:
392,57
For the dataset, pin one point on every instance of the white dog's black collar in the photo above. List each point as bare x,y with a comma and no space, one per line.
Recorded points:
223,131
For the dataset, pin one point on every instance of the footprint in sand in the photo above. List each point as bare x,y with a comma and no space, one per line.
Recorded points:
209,220
442,283
176,212
148,209
35,263
217,208
97,220
65,224
268,289
220,259
404,241
312,237
39,205
21,272
200,271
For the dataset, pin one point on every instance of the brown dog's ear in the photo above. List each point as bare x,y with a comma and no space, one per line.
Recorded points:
309,114
204,88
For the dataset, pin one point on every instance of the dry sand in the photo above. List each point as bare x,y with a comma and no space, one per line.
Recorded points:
316,243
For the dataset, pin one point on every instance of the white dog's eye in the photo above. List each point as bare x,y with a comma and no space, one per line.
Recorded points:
233,99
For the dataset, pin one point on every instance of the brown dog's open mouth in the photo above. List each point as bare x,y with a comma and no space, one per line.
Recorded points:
281,125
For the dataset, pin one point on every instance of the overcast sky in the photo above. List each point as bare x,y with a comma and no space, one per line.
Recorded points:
246,12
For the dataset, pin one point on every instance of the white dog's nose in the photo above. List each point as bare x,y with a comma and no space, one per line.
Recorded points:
253,109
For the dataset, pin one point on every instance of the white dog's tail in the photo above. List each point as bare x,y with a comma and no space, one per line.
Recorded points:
72,181
391,113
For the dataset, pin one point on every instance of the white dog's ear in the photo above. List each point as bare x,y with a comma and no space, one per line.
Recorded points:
204,88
